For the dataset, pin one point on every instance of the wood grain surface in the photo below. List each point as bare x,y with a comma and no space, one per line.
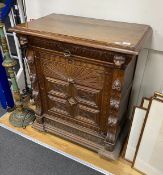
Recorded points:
112,35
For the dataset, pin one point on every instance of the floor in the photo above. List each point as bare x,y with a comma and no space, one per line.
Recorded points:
119,167
2,111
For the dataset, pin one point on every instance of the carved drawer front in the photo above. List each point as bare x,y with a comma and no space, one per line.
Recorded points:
71,70
75,101
58,105
87,114
87,96
57,87
77,50
74,89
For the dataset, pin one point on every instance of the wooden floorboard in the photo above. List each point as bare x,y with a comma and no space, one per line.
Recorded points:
119,167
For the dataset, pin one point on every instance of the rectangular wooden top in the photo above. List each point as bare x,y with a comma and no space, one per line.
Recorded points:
109,35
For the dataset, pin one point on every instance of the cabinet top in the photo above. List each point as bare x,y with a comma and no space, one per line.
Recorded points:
115,36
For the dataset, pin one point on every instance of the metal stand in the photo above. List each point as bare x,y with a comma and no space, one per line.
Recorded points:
20,117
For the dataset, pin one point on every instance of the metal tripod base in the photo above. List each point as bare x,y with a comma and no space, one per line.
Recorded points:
22,118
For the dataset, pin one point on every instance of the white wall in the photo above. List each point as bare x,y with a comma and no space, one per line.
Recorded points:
149,74
137,11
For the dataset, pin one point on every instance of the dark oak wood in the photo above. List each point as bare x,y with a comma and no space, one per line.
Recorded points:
82,72
109,35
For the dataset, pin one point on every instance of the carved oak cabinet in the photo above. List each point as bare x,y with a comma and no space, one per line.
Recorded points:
82,71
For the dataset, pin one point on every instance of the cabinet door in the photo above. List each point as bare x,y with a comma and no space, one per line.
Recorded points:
74,89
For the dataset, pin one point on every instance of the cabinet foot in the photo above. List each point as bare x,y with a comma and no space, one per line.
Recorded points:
111,155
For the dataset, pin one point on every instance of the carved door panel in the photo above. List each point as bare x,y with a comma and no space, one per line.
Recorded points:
74,88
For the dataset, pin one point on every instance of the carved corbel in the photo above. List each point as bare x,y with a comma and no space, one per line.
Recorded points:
30,56
38,110
30,59
112,121
119,60
23,41
113,124
35,87
110,139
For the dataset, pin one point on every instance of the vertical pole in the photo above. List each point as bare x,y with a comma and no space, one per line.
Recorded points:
5,86
9,63
21,117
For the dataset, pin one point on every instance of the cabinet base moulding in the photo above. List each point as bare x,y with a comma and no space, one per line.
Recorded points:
100,149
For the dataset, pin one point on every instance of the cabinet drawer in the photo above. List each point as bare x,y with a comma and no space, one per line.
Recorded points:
71,70
78,50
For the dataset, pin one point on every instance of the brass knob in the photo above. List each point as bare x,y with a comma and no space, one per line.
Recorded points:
72,101
67,53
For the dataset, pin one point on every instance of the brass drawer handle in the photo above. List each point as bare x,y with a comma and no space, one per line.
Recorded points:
67,53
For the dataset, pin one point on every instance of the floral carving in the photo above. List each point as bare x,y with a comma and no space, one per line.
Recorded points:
117,85
114,103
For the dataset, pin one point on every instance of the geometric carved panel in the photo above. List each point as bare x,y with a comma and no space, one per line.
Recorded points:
88,115
57,87
58,105
81,73
87,95
74,88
